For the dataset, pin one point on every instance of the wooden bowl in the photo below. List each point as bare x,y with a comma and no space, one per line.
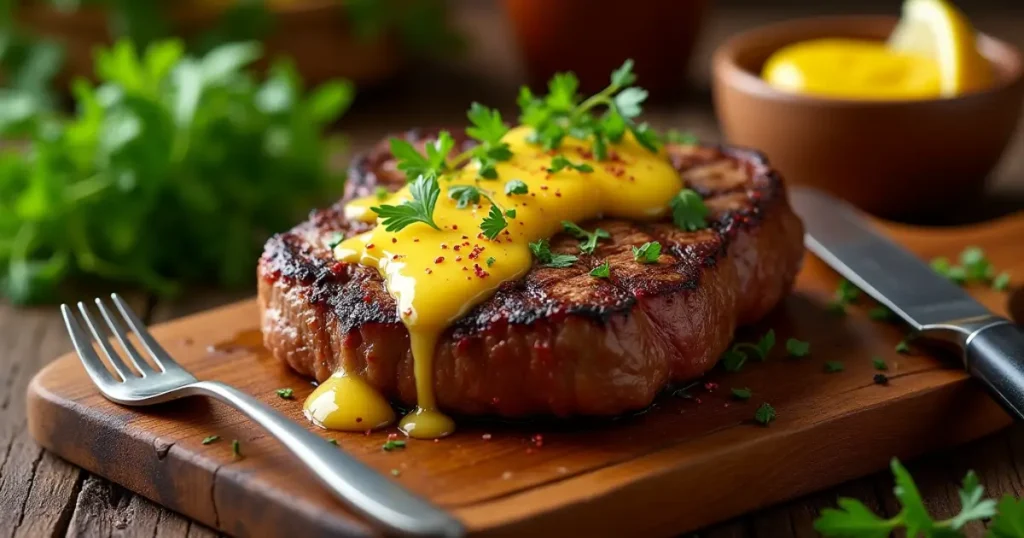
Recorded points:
891,158
312,33
593,37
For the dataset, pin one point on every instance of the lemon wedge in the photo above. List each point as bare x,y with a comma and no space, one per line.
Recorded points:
938,30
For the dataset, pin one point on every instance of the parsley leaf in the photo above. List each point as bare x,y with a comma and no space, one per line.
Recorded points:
236,448
688,211
741,394
493,223
285,394
542,251
588,239
464,195
647,253
516,186
560,162
1009,522
490,261
734,359
211,439
764,414
797,348
846,294
381,193
393,445
414,164
834,366
623,76
601,271
628,102
975,264
1001,282
676,136
488,129
903,347
881,313
425,192
879,364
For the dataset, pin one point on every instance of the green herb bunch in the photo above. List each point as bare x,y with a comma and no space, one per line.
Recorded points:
855,520
172,169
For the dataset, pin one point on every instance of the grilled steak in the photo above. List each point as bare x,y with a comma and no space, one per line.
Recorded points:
558,341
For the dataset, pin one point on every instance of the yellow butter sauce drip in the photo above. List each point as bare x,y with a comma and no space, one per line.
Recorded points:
436,276
348,403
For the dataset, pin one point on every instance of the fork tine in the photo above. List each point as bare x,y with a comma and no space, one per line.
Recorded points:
83,346
155,350
133,354
115,359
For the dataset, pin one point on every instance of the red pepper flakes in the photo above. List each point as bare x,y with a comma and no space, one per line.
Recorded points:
444,246
439,259
465,237
456,248
710,385
495,400
455,226
369,246
415,239
407,312
697,400
558,194
392,436
367,299
486,437
359,419
464,268
394,239
538,440
396,256
367,432
428,270
543,187
458,258
476,252
479,271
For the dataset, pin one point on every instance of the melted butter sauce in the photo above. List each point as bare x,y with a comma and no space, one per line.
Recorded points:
436,276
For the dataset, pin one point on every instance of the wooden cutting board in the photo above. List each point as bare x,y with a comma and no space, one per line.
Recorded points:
686,462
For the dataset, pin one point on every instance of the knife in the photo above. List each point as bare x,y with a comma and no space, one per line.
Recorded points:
992,347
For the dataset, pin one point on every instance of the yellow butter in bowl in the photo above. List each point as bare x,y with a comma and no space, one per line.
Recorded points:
931,53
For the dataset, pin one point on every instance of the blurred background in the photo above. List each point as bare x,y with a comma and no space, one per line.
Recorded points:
157,143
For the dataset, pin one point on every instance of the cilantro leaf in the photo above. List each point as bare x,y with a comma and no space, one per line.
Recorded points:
464,195
688,211
741,394
601,271
493,223
425,192
797,348
588,239
764,414
542,251
647,253
516,186
560,162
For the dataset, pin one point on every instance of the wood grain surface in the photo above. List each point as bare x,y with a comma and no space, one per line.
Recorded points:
690,460
42,495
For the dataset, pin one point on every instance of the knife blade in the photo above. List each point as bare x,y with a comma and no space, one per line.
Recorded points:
992,346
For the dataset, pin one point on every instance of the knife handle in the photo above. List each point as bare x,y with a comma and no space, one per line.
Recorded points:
995,355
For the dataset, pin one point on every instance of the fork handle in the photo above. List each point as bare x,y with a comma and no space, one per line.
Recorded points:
385,503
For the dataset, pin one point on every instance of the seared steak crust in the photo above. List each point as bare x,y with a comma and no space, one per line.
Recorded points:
558,341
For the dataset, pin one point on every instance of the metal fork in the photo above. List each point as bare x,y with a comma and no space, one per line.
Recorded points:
384,503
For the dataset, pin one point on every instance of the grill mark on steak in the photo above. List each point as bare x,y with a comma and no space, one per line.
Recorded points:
680,313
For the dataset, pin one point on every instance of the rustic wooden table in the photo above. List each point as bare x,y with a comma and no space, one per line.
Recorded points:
41,495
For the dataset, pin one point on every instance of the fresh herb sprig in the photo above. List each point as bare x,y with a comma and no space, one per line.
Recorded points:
588,240
169,171
542,251
425,192
561,113
855,520
736,357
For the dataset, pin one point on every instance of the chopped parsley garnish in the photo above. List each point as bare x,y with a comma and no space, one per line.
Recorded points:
335,240
542,251
425,192
285,393
414,164
560,162
834,366
976,266
601,271
734,359
561,113
493,223
236,448
846,294
881,313
516,186
688,211
797,348
333,442
464,195
647,253
588,240
488,129
381,193
881,379
854,520
879,364
490,261
764,414
393,445
741,394
903,347
211,439
1001,282
676,136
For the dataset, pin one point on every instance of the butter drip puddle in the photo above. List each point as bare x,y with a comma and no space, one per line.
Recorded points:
436,276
